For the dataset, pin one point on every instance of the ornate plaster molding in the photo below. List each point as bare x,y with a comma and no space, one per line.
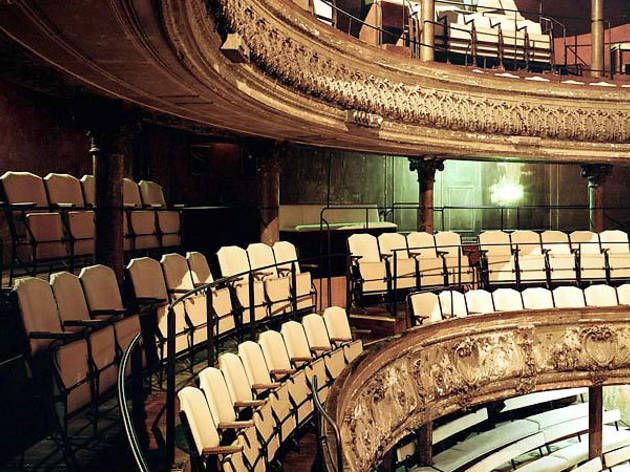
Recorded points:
289,49
434,370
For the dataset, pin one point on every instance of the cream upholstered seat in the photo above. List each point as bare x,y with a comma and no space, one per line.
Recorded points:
168,221
149,289
301,356
592,261
203,435
369,272
507,299
395,244
64,191
37,232
234,262
139,228
453,304
623,294
537,298
568,297
336,320
425,307
497,254
89,190
287,259
559,255
277,286
479,302
456,262
221,299
600,295
179,282
319,342
615,244
529,256
431,266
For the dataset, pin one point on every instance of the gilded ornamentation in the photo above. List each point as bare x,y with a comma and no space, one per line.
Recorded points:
293,58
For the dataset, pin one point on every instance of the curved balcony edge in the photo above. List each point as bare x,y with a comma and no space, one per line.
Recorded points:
431,371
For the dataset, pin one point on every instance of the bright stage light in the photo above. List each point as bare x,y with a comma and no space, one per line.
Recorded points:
505,192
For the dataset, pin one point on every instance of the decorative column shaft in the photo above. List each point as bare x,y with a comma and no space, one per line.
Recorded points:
595,421
426,168
268,165
425,442
597,38
596,175
427,17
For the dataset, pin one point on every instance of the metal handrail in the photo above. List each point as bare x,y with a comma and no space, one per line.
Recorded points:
338,465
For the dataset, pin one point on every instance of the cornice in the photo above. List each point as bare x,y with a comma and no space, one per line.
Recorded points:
428,372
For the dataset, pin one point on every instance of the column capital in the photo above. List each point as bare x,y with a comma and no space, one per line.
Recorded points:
426,166
596,174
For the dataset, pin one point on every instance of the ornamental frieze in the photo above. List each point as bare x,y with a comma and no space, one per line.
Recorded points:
291,54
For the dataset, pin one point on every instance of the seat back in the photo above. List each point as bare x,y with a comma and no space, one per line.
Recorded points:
37,309
616,241
233,260
507,299
389,243
337,323
600,295
24,187
176,274
147,278
69,296
479,302
253,360
421,243
365,246
261,257
623,294
568,297
495,243
199,268
212,383
64,188
586,241
235,377
274,350
202,428
152,193
131,194
453,303
316,332
537,298
285,254
101,288
89,191
426,306
528,242
556,242
449,242
295,340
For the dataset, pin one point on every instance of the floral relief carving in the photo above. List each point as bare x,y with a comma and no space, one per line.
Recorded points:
291,57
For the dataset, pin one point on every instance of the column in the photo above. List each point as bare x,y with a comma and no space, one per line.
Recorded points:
268,164
427,16
425,442
426,167
596,175
597,38
595,404
108,164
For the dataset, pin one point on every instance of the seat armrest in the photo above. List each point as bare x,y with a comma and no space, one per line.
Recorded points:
150,301
63,205
53,335
355,258
249,404
441,253
85,323
605,250
281,372
23,205
155,205
236,425
266,386
179,205
384,257
109,312
320,348
340,340
546,250
283,270
301,359
178,290
212,451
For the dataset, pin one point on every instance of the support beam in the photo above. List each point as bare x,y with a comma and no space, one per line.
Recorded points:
596,175
268,165
426,167
427,16
597,38
595,405
108,177
425,441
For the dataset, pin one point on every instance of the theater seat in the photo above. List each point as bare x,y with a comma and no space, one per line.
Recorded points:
496,250
421,247
395,245
168,221
369,273
139,227
592,261
425,307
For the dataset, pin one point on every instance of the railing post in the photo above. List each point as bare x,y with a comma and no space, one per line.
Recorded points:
210,320
294,287
170,386
252,305
427,17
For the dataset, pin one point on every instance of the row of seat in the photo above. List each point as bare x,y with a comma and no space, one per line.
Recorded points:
430,307
244,412
52,218
77,330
